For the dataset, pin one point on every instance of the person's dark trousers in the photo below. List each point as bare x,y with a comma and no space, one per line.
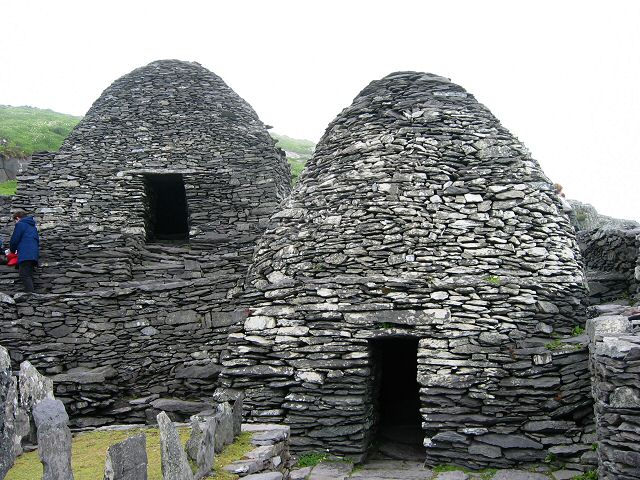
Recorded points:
25,271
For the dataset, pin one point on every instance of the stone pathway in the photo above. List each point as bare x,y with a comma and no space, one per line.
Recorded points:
411,470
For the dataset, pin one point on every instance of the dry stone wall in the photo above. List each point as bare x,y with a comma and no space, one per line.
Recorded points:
615,363
124,318
611,256
418,216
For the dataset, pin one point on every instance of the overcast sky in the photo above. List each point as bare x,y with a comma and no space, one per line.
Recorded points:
563,76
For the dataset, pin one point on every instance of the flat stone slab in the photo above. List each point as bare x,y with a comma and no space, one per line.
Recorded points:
565,474
392,470
331,471
455,475
518,475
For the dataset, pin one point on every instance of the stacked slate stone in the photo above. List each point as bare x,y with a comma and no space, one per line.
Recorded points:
167,117
421,216
115,354
615,362
610,256
129,319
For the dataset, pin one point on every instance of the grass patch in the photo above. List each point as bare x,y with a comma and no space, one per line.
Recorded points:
9,187
590,475
310,459
577,330
25,130
88,452
298,152
557,345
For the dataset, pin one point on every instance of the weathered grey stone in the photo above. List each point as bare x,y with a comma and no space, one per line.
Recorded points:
224,426
9,443
237,414
509,441
180,406
175,465
195,440
34,387
265,476
54,439
205,458
518,475
127,460
299,473
331,470
454,475
625,397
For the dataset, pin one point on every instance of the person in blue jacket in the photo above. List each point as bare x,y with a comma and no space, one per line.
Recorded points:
26,243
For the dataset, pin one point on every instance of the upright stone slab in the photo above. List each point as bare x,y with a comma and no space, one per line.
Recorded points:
33,387
224,426
127,460
206,453
54,439
175,465
195,439
237,414
8,404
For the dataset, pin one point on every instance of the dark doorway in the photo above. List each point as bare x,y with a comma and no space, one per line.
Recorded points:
400,432
166,208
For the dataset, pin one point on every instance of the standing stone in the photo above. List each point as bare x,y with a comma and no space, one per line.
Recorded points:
195,439
8,402
206,453
33,387
175,465
54,439
127,460
224,428
237,415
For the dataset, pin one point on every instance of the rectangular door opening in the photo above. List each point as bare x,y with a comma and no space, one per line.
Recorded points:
399,433
166,209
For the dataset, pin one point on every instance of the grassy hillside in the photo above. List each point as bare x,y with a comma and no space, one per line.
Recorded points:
24,130
298,152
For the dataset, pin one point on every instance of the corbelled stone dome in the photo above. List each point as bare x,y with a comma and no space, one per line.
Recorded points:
169,142
419,219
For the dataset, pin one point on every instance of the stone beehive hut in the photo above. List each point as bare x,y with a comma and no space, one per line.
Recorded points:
167,154
148,218
412,279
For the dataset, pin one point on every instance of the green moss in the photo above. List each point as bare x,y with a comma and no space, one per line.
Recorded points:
9,187
311,459
590,475
88,452
493,280
577,330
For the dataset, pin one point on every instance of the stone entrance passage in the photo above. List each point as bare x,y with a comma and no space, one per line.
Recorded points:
399,433
166,208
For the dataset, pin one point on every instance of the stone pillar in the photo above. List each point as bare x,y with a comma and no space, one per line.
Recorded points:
54,439
175,465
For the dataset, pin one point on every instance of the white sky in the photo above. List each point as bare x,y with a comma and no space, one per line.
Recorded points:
563,76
